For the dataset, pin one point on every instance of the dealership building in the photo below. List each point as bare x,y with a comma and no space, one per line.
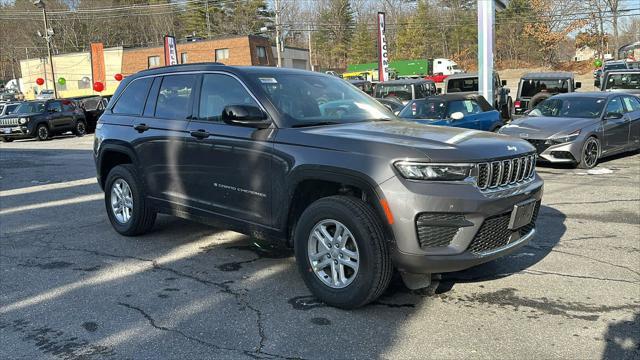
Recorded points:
79,71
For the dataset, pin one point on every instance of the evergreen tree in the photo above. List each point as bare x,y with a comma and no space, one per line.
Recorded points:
364,44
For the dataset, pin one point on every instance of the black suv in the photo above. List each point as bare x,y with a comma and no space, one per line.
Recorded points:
310,160
42,119
536,87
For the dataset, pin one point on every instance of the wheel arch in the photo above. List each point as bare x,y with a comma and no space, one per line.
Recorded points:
111,155
309,183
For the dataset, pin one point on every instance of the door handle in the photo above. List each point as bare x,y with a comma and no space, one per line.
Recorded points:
141,127
200,134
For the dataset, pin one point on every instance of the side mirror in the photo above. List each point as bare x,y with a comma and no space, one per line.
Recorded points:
457,115
439,90
613,116
578,85
245,115
504,82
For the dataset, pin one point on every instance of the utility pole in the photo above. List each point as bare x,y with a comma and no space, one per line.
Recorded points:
47,35
278,40
206,9
486,14
313,68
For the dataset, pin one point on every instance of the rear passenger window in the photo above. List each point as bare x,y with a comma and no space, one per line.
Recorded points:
68,106
54,106
132,99
174,98
219,91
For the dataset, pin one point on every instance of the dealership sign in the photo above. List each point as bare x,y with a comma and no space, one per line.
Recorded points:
383,55
170,51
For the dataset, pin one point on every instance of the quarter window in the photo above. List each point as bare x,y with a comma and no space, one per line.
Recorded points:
174,98
132,100
632,104
219,91
153,61
222,54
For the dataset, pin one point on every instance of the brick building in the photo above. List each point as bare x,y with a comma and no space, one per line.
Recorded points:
236,50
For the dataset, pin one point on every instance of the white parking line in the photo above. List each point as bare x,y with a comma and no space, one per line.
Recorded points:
37,188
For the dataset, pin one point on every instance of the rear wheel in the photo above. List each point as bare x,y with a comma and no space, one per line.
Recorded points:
42,132
127,206
590,153
80,129
5,139
341,252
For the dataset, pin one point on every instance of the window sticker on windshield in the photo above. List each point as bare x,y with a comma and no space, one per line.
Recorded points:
268,80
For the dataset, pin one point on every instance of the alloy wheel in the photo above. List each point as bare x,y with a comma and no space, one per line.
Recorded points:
121,201
590,152
333,253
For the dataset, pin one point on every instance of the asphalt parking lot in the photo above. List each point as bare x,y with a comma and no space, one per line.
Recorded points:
72,288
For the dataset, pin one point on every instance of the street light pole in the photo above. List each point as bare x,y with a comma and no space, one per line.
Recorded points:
47,36
278,40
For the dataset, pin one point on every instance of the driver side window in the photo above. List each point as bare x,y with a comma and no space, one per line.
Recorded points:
615,106
219,91
54,106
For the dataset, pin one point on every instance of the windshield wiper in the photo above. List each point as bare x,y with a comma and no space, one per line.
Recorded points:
319,123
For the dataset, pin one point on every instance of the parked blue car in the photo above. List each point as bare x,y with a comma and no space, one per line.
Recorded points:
458,110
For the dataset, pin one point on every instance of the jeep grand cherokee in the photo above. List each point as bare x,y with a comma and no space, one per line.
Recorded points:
308,159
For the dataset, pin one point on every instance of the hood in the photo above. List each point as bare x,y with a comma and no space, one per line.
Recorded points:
404,139
541,127
22,115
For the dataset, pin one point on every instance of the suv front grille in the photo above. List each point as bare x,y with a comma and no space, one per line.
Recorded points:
496,174
9,122
495,233
438,229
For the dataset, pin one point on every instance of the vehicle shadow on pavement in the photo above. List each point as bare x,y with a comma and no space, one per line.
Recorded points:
549,230
623,339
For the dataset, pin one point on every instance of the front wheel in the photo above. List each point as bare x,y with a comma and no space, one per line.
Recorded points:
127,206
590,153
5,139
341,252
42,132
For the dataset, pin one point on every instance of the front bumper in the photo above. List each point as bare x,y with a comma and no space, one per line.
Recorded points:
475,215
15,131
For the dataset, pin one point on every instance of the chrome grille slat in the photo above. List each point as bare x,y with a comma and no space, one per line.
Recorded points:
505,173
9,122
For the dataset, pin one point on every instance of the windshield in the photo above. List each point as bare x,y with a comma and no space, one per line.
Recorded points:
458,85
313,99
623,81
530,87
615,66
399,91
30,107
574,107
424,109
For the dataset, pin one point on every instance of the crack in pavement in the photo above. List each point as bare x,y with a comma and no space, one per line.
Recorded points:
223,287
155,325
592,202
543,272
599,261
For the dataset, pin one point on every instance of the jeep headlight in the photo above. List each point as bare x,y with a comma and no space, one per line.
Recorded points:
23,121
426,171
563,139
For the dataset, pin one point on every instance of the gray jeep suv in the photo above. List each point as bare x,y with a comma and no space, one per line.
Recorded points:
307,159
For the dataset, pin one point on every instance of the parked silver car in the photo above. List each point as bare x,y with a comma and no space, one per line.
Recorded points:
581,128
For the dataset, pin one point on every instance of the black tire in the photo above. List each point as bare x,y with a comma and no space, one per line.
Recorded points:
143,215
80,129
42,132
496,128
374,264
586,161
4,139
537,99
507,109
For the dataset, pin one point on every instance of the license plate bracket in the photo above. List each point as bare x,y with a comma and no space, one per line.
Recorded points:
522,214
